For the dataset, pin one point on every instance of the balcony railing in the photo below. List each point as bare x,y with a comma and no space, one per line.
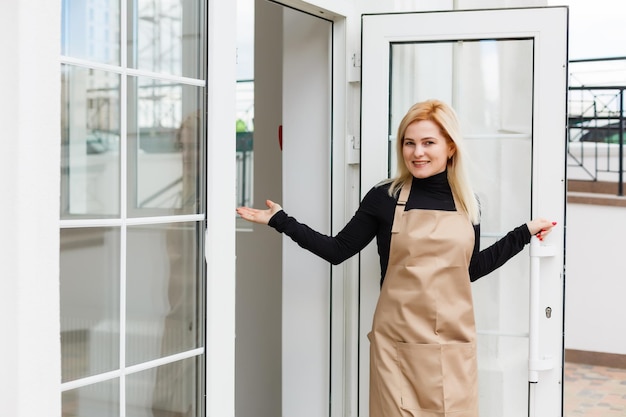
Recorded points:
244,168
597,122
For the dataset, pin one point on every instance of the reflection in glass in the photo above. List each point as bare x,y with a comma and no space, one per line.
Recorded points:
487,82
490,85
164,294
91,30
166,36
90,143
172,390
97,400
90,310
245,104
165,148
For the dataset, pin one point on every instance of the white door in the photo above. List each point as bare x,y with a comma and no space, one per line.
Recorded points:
504,71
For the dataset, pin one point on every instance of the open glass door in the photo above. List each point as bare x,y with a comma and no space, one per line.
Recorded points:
504,72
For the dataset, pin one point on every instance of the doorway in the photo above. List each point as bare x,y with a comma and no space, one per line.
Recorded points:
283,293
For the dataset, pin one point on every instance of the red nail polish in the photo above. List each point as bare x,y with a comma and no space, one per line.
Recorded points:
553,223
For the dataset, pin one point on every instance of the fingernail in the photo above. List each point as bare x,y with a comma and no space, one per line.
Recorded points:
553,223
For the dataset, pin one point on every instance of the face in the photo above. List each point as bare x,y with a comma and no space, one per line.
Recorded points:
425,149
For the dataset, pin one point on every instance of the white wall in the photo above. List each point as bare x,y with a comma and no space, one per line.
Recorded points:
595,278
29,189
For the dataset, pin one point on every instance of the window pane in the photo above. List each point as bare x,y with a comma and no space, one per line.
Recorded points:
245,105
170,390
90,310
91,30
164,290
90,143
490,84
166,149
98,400
166,36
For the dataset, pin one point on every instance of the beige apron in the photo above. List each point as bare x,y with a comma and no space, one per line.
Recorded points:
422,343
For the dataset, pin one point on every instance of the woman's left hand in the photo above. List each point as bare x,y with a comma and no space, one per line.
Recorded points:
540,227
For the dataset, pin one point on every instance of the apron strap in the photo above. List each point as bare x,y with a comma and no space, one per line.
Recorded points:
400,204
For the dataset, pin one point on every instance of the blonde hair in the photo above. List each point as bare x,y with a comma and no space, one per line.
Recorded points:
446,119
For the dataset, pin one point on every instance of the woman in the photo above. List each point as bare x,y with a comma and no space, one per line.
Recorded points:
426,224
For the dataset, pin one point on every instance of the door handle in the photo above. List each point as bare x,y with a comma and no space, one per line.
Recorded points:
536,362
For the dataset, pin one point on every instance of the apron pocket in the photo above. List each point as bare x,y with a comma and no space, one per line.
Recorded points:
436,377
421,381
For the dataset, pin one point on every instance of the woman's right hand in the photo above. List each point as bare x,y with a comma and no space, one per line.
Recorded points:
259,216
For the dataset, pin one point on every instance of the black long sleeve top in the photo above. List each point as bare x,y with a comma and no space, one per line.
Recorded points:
374,218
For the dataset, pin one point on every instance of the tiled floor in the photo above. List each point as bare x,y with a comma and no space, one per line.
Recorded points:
594,391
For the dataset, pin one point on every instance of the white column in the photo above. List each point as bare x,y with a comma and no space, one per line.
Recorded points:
30,356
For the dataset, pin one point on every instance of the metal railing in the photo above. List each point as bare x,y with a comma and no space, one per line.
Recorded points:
596,129
245,162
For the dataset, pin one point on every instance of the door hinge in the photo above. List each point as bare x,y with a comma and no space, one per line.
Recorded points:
353,150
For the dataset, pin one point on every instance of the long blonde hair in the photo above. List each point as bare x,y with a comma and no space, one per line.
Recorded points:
446,119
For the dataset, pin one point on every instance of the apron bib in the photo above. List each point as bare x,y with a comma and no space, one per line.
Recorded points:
423,338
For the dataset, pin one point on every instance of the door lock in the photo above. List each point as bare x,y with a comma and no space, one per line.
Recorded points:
548,312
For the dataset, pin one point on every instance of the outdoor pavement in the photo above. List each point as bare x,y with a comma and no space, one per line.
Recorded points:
594,391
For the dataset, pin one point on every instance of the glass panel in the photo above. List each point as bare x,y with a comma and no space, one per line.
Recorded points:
91,30
489,83
245,137
164,309
170,390
245,105
166,36
166,148
160,171
90,310
90,143
97,400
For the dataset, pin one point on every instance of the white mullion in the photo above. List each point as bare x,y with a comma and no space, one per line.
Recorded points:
91,64
132,71
78,223
107,376
164,361
123,198
94,379
165,77
81,223
165,219
122,364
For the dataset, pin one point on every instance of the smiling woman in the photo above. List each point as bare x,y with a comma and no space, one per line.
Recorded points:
425,150
425,222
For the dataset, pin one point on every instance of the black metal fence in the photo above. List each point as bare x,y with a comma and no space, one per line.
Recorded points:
596,128
244,168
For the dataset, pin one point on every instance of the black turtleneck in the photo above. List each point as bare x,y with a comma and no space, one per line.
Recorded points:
374,218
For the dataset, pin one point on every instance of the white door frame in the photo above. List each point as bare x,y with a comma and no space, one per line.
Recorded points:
220,192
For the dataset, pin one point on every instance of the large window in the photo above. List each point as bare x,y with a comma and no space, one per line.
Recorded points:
133,207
